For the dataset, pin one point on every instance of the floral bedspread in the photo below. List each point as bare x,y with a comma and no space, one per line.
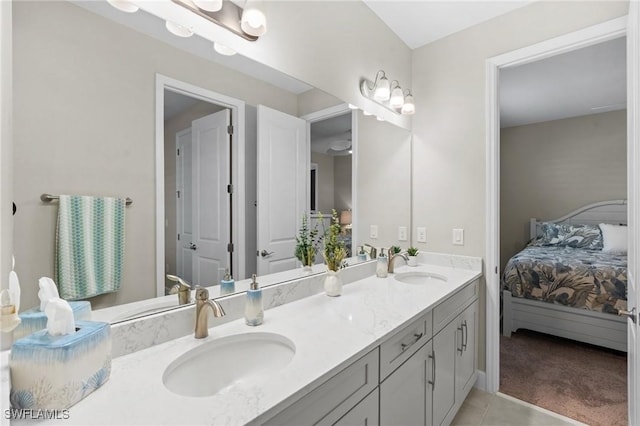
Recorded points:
587,279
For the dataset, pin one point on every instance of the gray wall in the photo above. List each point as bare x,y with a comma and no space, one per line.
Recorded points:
549,169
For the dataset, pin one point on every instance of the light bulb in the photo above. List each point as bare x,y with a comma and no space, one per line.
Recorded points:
179,30
383,89
397,98
124,5
409,108
209,5
223,50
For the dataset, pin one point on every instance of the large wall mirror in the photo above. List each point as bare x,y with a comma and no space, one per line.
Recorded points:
103,101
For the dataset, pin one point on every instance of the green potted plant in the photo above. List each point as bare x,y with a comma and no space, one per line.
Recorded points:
412,252
307,243
334,252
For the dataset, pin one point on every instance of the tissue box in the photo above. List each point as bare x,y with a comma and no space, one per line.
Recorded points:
55,372
35,320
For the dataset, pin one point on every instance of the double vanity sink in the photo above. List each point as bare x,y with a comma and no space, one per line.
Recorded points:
241,374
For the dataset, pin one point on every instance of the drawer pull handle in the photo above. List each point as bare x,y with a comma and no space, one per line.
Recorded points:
461,348
405,346
433,370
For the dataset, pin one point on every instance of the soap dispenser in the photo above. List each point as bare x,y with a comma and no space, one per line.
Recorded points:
227,284
382,265
253,311
362,255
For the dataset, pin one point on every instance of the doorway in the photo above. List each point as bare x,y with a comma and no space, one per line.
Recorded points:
573,41
201,106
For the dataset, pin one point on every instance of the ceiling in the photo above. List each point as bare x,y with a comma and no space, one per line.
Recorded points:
586,81
418,22
332,136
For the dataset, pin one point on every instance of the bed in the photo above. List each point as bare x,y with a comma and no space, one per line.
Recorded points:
566,283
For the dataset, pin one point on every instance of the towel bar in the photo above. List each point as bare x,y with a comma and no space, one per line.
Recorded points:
47,198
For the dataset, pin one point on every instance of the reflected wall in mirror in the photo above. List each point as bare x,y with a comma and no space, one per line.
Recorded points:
85,123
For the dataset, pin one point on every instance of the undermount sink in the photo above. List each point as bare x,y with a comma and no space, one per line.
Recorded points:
418,277
227,361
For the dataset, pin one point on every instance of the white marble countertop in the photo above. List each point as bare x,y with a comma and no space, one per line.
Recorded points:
328,334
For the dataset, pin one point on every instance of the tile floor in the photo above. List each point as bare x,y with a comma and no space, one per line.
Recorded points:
482,408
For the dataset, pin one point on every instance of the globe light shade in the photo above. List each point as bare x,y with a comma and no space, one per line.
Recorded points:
124,5
409,107
253,21
383,90
397,98
223,50
179,30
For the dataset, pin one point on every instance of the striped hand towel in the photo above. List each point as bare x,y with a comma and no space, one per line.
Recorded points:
89,245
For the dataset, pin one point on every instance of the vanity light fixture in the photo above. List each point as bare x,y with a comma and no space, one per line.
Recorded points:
179,30
223,50
124,5
389,95
248,22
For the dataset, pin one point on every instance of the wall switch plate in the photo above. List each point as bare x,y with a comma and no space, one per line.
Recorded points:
402,233
458,237
373,231
421,232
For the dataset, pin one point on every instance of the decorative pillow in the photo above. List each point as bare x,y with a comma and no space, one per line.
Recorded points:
614,238
566,235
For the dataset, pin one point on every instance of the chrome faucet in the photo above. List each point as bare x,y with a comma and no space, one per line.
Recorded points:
392,258
202,316
373,252
183,289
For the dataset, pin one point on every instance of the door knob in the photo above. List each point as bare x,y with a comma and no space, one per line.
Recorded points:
631,314
265,253
192,246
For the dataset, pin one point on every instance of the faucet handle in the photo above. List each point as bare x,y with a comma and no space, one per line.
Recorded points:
202,293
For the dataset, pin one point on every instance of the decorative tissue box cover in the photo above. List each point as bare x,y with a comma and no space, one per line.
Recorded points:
55,372
35,320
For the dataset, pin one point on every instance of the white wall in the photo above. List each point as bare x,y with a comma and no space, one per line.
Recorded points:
6,143
449,126
549,169
324,178
342,172
84,114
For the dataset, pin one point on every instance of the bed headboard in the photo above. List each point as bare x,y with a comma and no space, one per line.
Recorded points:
614,211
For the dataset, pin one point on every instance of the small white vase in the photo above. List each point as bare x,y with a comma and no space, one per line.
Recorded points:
413,261
333,284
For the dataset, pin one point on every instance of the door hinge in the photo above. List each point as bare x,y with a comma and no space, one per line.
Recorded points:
496,269
230,129
178,192
230,247
178,151
230,189
178,237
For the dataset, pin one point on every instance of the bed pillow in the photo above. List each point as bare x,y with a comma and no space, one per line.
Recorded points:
614,238
566,235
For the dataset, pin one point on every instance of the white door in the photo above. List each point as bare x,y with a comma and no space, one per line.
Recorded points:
211,201
282,187
633,191
184,197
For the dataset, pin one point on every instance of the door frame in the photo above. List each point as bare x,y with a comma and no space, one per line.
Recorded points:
324,114
586,37
237,169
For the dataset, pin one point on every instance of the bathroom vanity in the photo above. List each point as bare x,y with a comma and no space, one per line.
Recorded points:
385,352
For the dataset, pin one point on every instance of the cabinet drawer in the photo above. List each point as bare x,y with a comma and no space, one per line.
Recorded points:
399,347
450,308
335,397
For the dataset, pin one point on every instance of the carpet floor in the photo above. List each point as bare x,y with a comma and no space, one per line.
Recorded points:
580,381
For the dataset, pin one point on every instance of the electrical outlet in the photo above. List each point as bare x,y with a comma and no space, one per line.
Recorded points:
402,233
421,232
373,231
458,237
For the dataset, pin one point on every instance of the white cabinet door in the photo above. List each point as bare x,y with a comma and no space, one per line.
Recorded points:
466,360
403,393
445,346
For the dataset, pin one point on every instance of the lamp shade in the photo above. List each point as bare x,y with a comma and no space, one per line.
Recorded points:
179,30
383,89
409,108
345,217
253,21
223,50
209,5
124,5
397,98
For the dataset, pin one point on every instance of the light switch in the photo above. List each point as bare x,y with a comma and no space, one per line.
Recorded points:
458,237
422,234
373,231
402,233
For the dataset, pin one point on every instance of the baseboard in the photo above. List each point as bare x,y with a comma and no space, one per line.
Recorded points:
481,381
